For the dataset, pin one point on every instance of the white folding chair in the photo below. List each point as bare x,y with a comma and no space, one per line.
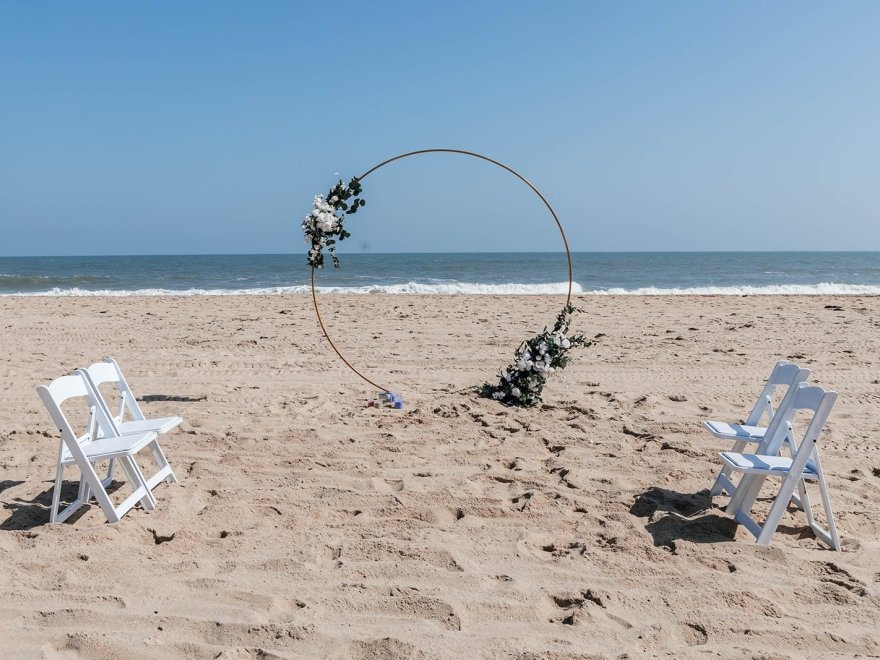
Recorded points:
87,449
109,372
784,374
804,464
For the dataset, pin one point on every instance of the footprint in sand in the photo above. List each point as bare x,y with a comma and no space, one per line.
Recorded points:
387,486
550,549
387,647
327,557
692,634
520,502
584,608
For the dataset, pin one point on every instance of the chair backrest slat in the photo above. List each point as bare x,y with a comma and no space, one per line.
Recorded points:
103,372
784,374
55,394
108,371
804,397
66,387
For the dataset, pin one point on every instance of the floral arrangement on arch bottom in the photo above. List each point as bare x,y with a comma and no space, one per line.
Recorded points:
522,382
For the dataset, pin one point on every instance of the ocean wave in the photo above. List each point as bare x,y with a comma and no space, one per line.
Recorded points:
447,288
453,288
470,288
821,289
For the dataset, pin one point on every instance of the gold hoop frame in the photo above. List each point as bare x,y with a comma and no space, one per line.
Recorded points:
447,151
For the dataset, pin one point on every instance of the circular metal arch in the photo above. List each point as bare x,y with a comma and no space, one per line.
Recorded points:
447,151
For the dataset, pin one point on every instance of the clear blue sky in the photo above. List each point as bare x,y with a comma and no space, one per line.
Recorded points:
207,127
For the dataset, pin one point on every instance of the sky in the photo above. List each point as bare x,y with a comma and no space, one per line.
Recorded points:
208,127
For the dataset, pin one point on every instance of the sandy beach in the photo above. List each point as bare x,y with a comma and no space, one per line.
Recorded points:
306,525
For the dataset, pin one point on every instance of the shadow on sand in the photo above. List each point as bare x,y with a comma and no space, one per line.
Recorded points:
689,517
27,514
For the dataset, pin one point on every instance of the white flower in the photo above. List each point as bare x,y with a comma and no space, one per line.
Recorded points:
321,207
506,375
334,199
515,392
497,394
565,343
327,222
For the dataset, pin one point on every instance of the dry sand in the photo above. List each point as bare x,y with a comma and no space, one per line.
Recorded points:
305,525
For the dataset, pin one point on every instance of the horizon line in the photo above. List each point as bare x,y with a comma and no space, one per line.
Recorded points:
350,254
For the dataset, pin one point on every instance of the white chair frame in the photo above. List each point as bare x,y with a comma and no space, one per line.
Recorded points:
805,463
86,450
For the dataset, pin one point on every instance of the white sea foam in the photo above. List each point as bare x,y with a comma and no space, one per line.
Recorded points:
446,288
822,289
453,288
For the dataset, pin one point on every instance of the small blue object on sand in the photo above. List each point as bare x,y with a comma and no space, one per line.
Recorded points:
386,400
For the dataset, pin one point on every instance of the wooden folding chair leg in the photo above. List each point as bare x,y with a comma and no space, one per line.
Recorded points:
830,536
85,493
56,516
802,500
746,493
56,493
722,481
100,494
797,500
164,467
137,481
780,504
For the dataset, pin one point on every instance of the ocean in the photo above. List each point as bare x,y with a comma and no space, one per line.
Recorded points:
599,273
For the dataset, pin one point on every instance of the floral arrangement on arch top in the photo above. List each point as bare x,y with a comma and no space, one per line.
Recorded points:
324,225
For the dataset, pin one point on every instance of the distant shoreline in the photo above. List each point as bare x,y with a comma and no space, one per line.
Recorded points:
825,290
508,273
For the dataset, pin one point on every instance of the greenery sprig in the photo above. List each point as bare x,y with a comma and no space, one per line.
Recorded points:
522,383
324,225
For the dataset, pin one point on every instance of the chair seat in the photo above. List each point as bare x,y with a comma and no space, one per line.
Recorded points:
735,431
159,425
755,464
106,448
